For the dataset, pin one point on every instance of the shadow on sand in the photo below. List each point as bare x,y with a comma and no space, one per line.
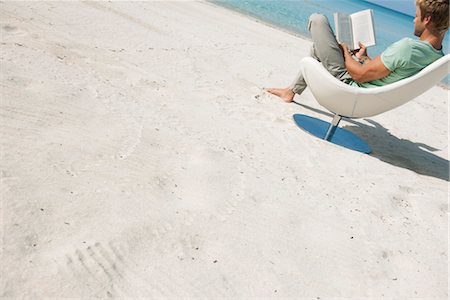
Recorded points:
402,153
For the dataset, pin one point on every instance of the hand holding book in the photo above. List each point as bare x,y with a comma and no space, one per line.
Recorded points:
360,53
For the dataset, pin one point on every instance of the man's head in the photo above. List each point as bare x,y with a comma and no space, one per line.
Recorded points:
433,14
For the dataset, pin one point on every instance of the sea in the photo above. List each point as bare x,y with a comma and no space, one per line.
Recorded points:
292,16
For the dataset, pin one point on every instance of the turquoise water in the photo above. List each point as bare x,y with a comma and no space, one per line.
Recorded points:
292,15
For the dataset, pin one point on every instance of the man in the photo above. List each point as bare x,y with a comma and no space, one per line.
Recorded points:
401,60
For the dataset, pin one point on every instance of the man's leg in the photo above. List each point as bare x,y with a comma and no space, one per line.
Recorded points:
325,49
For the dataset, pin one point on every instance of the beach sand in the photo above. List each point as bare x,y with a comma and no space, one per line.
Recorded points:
141,158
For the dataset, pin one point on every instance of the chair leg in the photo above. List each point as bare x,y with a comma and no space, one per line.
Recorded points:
332,128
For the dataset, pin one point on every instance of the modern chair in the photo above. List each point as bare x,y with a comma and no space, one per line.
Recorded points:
346,101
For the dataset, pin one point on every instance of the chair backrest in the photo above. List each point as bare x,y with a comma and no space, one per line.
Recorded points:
355,102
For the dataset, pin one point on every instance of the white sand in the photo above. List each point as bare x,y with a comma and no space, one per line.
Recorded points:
141,159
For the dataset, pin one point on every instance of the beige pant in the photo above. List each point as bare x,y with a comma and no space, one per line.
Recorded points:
325,49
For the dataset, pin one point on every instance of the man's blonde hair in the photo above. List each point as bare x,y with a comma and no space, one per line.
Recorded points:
438,11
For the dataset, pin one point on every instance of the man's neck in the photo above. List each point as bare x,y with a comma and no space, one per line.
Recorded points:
434,39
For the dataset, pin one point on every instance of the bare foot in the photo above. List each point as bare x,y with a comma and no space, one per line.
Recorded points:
286,94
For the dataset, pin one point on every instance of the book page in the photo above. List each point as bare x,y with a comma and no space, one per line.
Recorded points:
343,28
362,28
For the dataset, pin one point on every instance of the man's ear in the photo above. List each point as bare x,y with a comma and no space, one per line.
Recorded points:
427,20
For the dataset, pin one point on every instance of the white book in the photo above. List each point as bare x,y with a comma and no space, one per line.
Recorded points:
354,28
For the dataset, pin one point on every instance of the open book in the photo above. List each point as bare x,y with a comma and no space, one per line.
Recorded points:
354,28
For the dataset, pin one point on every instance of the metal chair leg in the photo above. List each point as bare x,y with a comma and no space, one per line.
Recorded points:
333,125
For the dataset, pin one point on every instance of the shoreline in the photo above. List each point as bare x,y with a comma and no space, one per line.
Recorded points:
261,21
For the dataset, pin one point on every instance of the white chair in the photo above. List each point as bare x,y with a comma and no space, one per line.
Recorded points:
348,101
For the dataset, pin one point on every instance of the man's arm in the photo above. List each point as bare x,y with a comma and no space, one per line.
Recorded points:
370,70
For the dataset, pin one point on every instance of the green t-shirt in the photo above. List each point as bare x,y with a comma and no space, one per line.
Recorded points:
404,58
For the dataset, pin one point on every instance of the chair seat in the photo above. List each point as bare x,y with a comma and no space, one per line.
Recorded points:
355,102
